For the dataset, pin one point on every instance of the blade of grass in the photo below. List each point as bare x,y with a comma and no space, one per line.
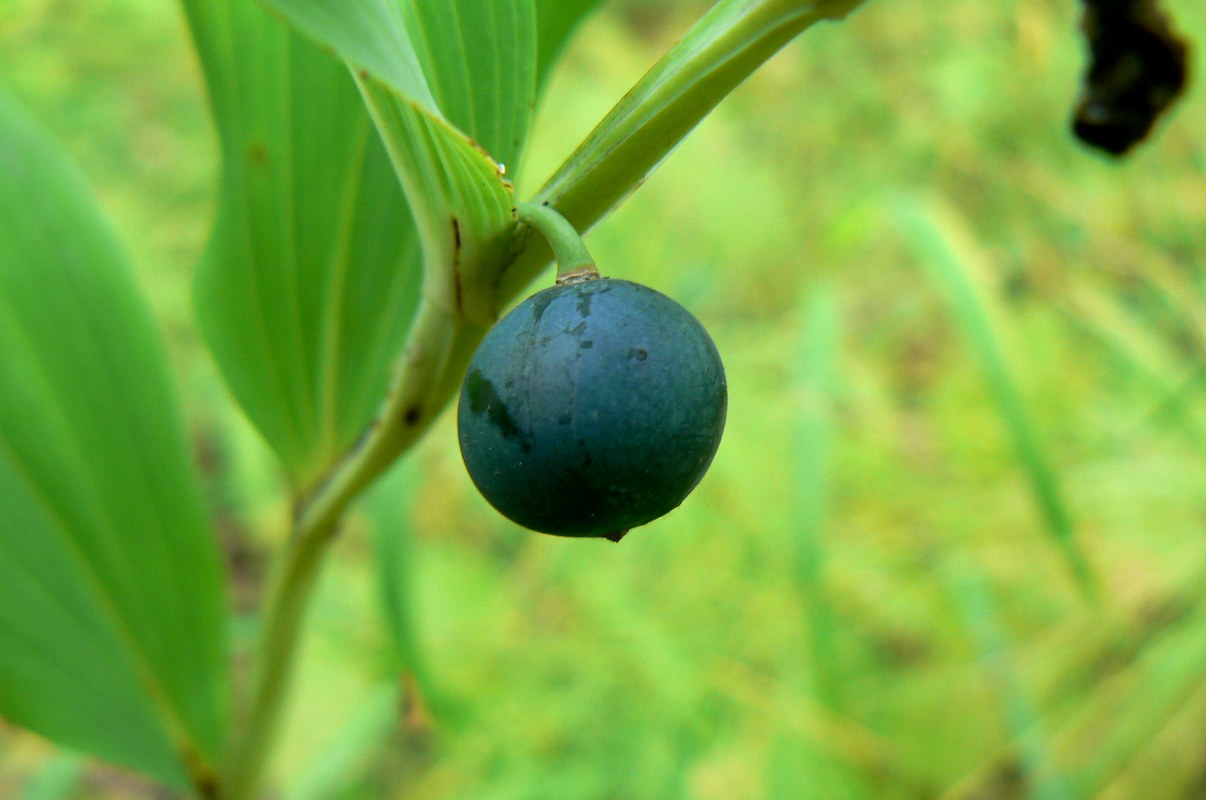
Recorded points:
56,780
387,507
349,752
1167,675
1172,380
795,763
981,618
937,237
816,372
1167,766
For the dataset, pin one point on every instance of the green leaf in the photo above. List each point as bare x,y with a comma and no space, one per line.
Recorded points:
112,628
374,30
311,281
478,61
312,275
463,208
479,57
471,63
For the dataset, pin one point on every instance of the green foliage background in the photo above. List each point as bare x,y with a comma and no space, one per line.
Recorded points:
864,598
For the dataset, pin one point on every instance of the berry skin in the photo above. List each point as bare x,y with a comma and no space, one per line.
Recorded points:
593,407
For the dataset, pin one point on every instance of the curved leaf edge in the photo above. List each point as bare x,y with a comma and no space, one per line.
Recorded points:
193,743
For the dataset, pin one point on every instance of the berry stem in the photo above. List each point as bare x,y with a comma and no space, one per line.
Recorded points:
574,262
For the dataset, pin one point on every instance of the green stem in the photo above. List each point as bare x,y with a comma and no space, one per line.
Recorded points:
573,260
275,660
725,47
437,350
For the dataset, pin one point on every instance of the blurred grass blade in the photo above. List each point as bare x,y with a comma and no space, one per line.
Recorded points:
556,21
817,379
1173,380
388,508
112,629
56,780
347,755
312,275
728,44
936,236
981,618
805,763
1166,677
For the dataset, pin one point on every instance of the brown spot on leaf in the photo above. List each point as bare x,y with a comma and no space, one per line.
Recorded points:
257,151
458,290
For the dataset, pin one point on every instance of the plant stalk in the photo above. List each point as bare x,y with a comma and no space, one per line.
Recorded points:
438,347
275,659
724,48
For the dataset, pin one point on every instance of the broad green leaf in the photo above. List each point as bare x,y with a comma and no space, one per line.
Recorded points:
112,629
471,63
479,57
463,207
312,275
374,30
478,62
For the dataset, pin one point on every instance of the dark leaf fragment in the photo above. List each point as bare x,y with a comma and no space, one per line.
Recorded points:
1137,68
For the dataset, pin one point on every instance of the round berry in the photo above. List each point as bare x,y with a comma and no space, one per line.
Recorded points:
593,407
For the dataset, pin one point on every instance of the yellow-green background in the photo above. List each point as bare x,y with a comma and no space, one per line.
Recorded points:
934,643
